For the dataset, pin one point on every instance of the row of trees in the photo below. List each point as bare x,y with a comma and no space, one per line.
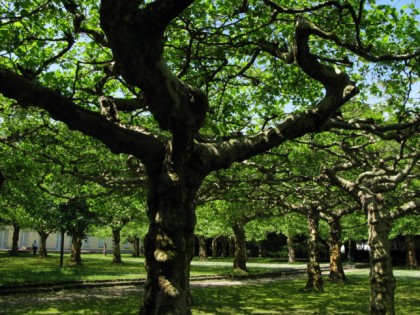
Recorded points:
179,93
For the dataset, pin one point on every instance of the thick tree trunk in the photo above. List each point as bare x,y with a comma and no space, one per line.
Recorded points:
411,251
315,282
116,239
169,244
336,265
43,243
239,260
291,256
202,247
76,249
382,280
15,240
214,247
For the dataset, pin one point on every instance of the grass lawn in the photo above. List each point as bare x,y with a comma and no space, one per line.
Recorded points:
25,268
281,296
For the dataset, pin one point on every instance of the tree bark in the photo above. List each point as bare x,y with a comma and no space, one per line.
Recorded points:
116,239
336,265
411,251
169,243
239,260
15,240
315,282
43,243
382,280
202,247
291,256
76,249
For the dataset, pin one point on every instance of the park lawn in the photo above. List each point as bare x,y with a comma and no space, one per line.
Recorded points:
25,268
282,296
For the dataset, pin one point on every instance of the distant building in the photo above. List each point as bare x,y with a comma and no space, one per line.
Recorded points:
27,237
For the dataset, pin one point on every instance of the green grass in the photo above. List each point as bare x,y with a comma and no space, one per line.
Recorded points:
282,296
26,268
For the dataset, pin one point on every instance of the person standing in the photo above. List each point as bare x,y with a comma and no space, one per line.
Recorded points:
34,247
104,249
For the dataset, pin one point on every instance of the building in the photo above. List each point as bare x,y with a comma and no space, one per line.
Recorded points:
27,237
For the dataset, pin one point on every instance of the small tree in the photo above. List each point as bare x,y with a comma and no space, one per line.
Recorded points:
76,218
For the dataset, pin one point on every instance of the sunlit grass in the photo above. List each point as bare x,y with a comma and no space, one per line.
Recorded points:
26,268
282,296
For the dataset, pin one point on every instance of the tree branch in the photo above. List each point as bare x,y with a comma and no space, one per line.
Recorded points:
117,138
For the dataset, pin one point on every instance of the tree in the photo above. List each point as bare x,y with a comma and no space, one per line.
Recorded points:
76,60
76,218
387,170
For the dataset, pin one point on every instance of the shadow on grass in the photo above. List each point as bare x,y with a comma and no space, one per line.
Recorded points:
285,297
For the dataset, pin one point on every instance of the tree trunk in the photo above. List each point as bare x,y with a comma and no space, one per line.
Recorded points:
315,282
382,281
76,249
336,266
43,243
116,239
214,247
239,260
135,240
351,251
411,251
224,241
291,250
15,240
169,243
202,247
231,246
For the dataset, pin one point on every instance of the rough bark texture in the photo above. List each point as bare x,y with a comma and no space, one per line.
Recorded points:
202,247
336,265
169,245
381,277
15,240
43,243
315,282
411,251
291,256
239,260
116,240
76,250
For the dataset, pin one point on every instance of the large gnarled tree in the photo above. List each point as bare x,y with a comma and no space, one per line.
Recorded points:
92,67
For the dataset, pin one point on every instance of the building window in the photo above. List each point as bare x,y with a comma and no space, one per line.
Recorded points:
24,238
86,242
101,243
4,234
58,241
